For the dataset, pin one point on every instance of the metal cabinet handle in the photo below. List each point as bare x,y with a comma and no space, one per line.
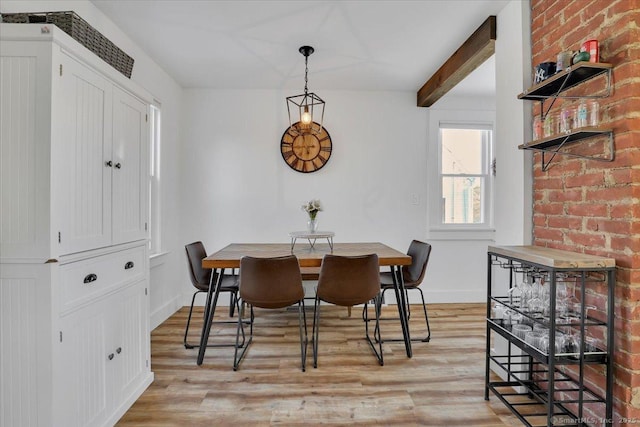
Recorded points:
119,350
90,278
108,163
129,265
117,166
110,356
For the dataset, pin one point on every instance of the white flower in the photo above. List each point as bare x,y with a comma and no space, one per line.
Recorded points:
312,207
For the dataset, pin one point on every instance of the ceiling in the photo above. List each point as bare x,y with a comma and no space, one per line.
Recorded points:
253,44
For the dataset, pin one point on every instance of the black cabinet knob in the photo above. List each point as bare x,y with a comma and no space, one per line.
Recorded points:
108,163
111,356
117,165
129,265
90,278
119,350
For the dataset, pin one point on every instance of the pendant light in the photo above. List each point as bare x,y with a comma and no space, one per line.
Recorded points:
306,111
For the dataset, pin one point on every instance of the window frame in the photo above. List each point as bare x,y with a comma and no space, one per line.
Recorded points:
460,120
154,202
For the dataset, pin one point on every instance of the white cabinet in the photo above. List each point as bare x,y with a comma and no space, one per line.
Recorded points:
74,270
104,138
106,358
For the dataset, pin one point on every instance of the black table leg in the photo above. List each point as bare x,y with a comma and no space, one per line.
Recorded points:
398,286
209,311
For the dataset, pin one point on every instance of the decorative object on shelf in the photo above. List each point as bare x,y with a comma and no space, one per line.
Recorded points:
543,71
81,31
580,57
307,109
591,47
563,61
306,152
312,207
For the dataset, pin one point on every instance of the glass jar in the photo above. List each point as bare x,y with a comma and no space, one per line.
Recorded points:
548,126
537,128
594,113
581,115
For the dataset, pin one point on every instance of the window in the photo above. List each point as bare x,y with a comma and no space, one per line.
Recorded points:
464,182
154,182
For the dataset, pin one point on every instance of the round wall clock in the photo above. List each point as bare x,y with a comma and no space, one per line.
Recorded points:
305,152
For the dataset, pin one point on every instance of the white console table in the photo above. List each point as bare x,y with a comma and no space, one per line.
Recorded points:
312,237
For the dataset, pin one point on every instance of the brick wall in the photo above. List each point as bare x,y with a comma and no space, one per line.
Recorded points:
593,206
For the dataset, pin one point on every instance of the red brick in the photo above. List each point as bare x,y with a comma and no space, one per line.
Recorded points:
587,239
565,195
625,244
589,210
565,222
548,234
586,180
549,208
608,194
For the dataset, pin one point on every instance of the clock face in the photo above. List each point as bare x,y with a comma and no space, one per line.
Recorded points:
305,152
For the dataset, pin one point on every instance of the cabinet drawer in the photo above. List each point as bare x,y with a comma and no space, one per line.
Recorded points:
85,280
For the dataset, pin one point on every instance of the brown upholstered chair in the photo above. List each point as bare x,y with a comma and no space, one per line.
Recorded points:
413,275
348,281
201,279
270,283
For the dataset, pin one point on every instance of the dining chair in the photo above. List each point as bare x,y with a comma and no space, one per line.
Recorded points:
270,283
201,280
347,281
413,275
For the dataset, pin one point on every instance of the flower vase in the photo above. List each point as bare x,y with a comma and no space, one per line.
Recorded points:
312,225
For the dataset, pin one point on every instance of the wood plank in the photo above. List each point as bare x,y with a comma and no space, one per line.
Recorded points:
229,256
474,51
551,257
442,384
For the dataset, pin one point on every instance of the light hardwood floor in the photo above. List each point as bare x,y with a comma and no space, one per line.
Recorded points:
441,385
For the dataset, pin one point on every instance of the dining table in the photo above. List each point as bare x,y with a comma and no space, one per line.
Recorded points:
308,256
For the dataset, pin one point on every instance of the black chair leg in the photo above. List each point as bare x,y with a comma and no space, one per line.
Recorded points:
237,359
376,331
426,316
316,330
186,331
302,323
424,308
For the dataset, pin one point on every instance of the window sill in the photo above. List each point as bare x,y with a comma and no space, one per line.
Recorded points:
462,233
157,259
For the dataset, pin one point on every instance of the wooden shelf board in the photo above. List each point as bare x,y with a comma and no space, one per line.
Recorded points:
555,258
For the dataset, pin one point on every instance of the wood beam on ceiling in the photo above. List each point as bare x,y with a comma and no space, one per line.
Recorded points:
474,51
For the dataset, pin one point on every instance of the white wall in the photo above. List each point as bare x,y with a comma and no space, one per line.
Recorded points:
165,295
241,190
223,179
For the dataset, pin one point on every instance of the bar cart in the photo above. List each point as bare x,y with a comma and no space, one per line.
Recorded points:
559,333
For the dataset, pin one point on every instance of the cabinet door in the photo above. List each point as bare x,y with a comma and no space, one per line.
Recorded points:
84,110
130,177
83,393
129,338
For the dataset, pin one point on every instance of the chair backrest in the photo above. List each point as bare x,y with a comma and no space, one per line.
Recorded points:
419,253
273,282
349,280
200,278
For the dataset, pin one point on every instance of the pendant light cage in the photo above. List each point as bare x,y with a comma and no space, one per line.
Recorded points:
306,111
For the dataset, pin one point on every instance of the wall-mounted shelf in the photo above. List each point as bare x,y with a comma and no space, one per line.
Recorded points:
553,88
564,80
555,143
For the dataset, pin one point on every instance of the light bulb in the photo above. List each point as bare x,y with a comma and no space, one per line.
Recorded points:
305,118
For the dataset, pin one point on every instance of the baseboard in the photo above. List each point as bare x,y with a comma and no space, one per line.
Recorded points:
122,409
165,311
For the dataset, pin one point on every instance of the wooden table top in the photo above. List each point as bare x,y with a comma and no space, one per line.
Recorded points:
553,257
229,256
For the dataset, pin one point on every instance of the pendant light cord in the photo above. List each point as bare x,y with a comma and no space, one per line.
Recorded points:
306,71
